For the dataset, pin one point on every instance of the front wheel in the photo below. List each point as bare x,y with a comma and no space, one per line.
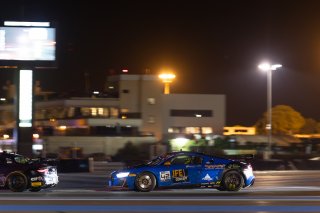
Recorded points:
232,181
145,182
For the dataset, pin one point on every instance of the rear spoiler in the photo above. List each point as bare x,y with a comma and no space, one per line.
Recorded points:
244,157
48,161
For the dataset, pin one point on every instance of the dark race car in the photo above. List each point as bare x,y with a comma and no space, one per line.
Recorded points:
19,173
185,169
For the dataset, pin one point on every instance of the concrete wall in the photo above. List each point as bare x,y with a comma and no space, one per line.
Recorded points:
107,145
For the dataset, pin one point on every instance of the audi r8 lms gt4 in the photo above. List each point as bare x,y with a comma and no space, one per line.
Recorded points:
19,173
185,169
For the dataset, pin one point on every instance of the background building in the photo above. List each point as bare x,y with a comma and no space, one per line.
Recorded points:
132,109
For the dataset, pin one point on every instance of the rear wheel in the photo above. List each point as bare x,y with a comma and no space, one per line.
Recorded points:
17,182
145,182
232,181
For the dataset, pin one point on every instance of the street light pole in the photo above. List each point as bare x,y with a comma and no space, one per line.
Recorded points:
269,105
269,68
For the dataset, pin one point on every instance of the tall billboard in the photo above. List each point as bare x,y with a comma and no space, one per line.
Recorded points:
27,44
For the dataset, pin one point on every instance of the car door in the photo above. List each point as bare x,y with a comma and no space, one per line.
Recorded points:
184,170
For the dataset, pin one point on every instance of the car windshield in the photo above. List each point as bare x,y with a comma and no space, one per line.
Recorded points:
21,159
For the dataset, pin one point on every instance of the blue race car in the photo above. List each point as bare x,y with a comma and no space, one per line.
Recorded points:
185,169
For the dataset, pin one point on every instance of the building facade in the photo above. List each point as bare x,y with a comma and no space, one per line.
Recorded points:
132,109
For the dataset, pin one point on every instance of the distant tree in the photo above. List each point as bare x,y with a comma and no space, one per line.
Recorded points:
311,126
131,154
220,143
285,120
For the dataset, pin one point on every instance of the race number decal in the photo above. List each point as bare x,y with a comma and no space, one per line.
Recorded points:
165,176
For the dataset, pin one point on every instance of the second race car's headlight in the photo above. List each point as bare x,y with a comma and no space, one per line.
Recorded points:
122,174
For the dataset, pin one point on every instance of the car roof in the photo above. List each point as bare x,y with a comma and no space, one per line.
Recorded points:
186,152
8,154
196,153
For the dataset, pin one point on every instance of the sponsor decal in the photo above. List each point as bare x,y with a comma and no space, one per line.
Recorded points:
234,166
213,183
207,178
218,166
36,184
180,175
165,176
36,178
9,160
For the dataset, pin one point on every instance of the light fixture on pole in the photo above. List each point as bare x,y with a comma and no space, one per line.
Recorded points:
266,67
167,78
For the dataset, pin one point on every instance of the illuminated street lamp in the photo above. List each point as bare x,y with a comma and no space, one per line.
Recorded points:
167,78
266,67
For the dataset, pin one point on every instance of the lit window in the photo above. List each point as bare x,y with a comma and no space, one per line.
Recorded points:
151,101
174,130
93,111
206,130
192,130
100,111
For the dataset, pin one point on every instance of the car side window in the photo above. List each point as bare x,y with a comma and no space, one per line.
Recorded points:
186,160
181,160
196,160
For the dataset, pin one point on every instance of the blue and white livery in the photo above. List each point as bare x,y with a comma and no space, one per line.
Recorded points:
185,169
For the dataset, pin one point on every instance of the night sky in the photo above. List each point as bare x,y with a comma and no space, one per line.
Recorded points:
213,47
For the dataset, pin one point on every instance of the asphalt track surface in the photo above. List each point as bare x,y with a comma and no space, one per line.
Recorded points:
274,191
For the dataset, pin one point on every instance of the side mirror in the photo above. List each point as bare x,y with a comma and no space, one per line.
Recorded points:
167,163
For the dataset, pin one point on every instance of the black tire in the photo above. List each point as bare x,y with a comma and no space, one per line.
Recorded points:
145,182
232,181
35,189
17,182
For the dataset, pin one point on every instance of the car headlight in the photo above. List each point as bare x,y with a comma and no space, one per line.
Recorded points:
122,174
248,171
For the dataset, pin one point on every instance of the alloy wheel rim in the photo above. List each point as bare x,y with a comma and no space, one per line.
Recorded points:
145,181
